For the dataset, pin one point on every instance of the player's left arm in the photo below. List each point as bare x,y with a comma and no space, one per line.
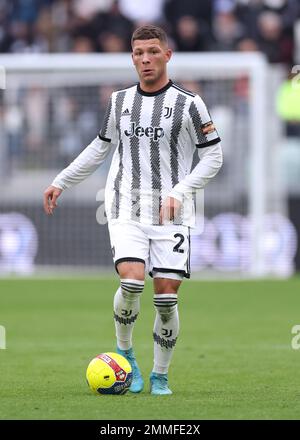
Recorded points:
206,139
211,160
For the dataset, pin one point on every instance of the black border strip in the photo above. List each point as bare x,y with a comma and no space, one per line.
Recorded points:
159,269
180,89
122,260
207,144
160,428
163,89
103,138
189,253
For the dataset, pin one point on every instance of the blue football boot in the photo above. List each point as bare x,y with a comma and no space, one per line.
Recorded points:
137,383
159,384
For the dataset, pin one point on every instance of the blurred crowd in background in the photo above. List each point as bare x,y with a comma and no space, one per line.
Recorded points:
53,137
45,123
193,25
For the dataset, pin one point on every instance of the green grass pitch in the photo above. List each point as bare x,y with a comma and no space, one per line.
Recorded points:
233,358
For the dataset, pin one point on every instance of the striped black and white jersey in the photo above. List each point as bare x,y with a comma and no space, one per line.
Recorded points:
156,135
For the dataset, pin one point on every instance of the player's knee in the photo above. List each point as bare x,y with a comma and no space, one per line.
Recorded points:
166,285
165,304
131,288
131,270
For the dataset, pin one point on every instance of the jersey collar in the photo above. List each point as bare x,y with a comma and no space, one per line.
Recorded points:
158,92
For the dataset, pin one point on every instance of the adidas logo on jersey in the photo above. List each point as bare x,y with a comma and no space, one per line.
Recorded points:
154,133
126,112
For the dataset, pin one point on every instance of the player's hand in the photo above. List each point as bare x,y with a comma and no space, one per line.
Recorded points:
169,209
51,194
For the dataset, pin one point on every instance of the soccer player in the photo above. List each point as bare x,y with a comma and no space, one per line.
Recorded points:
156,127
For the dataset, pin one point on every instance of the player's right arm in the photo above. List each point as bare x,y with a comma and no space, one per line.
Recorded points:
51,194
82,167
86,163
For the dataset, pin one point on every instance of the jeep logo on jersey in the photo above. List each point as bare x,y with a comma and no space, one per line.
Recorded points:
154,133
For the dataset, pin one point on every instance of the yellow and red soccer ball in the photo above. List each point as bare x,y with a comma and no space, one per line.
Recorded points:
109,373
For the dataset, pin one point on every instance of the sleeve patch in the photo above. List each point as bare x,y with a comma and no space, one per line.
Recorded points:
208,128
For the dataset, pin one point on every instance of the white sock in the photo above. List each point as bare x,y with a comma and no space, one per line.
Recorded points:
165,331
126,310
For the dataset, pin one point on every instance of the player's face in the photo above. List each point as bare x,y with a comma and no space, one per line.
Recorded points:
150,58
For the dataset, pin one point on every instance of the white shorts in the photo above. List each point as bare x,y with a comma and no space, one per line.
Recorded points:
164,249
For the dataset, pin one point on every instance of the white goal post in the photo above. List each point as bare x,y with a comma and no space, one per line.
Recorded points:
241,82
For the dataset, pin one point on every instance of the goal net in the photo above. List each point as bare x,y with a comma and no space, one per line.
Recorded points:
52,107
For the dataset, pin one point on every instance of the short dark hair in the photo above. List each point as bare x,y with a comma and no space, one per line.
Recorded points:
147,32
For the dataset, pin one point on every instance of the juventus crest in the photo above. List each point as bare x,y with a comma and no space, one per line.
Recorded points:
168,112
